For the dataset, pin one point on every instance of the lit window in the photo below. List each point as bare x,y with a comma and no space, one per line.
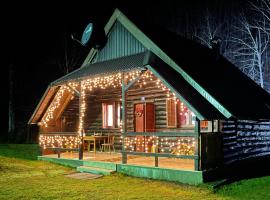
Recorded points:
111,115
185,117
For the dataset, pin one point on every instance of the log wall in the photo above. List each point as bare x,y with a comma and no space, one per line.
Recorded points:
245,139
151,93
68,122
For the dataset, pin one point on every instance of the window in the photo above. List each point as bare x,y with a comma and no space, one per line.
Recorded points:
171,113
111,115
185,117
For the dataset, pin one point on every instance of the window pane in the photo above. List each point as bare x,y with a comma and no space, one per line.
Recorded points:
184,115
118,114
110,115
104,115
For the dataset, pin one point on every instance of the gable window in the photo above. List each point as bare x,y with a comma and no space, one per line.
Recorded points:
111,115
171,113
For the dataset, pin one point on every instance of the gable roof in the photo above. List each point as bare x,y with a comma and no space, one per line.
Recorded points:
141,34
230,87
221,83
213,88
120,43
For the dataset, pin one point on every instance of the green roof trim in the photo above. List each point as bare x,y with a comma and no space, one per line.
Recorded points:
177,94
202,91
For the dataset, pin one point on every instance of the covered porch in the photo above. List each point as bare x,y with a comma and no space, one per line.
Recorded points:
138,116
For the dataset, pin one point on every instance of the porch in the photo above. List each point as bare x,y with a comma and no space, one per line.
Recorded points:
116,158
136,166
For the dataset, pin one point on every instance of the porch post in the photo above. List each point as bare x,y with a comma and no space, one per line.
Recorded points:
197,145
81,132
124,155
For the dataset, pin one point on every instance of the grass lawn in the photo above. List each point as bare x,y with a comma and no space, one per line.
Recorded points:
23,177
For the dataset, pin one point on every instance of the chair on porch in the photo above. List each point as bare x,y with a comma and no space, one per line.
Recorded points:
109,144
88,142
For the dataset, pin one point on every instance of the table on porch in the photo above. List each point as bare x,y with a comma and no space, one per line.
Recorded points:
94,139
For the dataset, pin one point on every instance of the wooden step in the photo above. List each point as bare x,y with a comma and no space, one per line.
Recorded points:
95,170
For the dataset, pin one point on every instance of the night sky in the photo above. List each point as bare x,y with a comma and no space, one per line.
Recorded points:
34,34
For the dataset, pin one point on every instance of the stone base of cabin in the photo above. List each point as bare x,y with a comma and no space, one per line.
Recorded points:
170,169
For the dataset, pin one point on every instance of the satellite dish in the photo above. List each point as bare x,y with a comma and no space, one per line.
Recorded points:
87,34
93,36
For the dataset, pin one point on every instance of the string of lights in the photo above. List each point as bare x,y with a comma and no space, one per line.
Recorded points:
59,141
155,144
49,115
112,81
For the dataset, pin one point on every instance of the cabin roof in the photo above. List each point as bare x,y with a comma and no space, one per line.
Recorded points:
235,91
123,64
220,82
210,84
183,90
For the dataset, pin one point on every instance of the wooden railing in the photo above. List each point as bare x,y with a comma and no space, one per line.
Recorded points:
161,144
59,140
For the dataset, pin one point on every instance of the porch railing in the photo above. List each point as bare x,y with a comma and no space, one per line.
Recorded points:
60,140
182,145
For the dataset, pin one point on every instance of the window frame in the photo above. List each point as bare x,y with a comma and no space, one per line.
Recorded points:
116,118
185,126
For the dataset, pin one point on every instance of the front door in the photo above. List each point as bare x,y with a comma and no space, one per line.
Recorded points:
139,114
144,121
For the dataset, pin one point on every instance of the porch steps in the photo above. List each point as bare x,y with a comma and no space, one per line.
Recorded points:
100,164
95,170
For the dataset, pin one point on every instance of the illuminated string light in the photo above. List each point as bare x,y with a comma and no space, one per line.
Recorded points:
49,115
171,145
59,141
153,143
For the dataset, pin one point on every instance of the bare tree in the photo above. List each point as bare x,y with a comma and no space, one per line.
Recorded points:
212,26
209,27
249,47
262,9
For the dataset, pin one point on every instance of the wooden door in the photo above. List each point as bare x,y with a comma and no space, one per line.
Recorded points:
144,121
139,114
139,120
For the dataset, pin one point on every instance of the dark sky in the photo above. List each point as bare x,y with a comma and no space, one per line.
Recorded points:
34,32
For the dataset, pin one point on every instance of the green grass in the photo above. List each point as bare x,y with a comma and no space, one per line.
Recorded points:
23,177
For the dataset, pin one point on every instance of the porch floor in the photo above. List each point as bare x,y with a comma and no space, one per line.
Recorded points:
114,157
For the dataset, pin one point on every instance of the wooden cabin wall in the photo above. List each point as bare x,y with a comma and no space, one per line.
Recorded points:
151,93
93,115
70,116
68,121
243,139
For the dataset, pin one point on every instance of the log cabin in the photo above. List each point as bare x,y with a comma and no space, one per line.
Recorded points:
152,104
